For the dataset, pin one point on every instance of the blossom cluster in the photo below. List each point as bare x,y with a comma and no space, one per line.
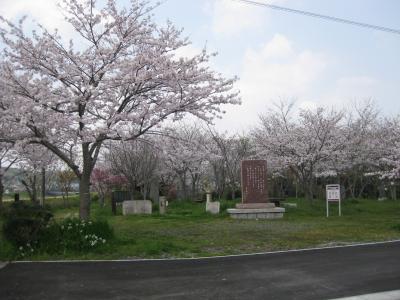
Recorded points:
81,234
94,239
26,250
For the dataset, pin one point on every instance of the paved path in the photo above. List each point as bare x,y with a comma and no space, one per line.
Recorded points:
314,274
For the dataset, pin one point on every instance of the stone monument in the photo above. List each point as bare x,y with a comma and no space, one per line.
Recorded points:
255,203
136,207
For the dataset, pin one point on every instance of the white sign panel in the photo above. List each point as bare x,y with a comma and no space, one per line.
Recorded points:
333,192
333,195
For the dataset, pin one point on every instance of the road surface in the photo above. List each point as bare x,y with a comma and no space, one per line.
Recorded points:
312,274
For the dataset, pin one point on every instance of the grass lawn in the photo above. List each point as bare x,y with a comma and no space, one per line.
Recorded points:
187,231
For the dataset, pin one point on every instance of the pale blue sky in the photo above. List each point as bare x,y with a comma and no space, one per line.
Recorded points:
283,55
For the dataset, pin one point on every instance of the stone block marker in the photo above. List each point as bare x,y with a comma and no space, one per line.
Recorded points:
255,203
137,207
213,207
162,205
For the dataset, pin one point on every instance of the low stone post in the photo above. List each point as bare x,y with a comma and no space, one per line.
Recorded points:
209,197
162,207
211,206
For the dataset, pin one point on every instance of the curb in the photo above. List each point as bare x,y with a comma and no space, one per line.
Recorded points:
210,257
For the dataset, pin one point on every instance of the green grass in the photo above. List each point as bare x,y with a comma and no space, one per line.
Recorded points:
187,231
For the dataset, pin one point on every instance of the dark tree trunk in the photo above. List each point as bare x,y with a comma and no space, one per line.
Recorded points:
43,187
182,178
102,199
84,184
233,192
145,192
84,196
194,188
1,190
308,189
34,190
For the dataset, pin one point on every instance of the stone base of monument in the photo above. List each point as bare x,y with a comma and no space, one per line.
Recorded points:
136,207
256,211
213,207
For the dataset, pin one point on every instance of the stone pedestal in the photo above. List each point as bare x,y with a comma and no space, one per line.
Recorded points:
255,205
257,213
162,207
208,197
213,207
136,207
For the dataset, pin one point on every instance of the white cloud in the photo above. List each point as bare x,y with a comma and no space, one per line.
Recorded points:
231,17
44,12
278,47
346,90
277,70
363,86
272,72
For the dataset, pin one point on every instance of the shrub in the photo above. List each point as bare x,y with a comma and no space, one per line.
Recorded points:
24,223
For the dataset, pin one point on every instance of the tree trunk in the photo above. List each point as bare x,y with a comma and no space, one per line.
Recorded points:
145,192
393,192
43,187
34,190
1,190
101,199
84,184
308,189
310,193
182,178
193,188
233,193
382,193
84,196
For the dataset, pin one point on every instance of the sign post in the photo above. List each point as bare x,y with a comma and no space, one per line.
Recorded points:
333,195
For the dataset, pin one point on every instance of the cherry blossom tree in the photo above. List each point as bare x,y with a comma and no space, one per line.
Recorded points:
388,148
363,149
301,144
231,150
34,160
8,153
102,183
8,157
186,151
119,80
137,161
65,180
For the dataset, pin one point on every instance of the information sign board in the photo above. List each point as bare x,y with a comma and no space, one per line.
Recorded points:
333,195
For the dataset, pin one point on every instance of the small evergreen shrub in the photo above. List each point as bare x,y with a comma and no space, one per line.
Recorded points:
24,223
30,229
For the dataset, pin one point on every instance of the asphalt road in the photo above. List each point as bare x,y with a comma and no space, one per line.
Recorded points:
313,274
